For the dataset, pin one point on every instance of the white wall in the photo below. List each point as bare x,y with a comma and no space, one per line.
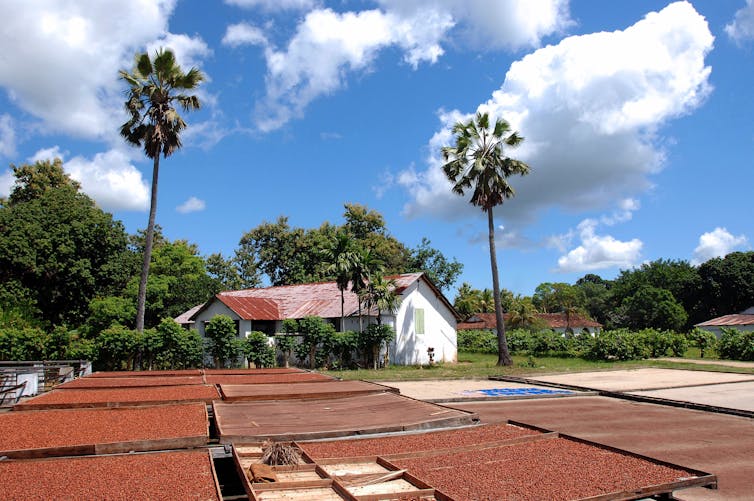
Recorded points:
718,332
215,308
409,347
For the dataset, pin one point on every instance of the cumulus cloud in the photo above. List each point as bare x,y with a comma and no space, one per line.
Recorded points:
599,251
91,39
193,204
189,51
7,136
48,154
275,5
717,243
742,26
244,34
509,24
7,180
111,180
590,109
328,46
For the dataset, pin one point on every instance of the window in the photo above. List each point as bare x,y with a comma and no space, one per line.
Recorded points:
419,320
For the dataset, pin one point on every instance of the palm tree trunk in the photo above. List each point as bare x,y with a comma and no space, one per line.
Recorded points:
503,355
142,299
342,310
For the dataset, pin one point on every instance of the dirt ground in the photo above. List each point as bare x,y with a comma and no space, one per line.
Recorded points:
715,443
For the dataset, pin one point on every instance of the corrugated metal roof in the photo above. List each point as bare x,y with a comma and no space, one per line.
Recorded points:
729,321
553,320
185,317
298,301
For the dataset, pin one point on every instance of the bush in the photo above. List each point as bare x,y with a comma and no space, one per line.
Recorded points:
372,339
619,344
23,344
661,343
477,341
285,343
317,341
169,346
702,339
117,348
343,346
736,345
222,340
258,350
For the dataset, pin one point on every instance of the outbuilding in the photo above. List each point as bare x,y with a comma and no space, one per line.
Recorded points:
743,321
424,319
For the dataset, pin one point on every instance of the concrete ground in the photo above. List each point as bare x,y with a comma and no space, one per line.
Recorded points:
449,390
731,395
711,442
709,361
643,379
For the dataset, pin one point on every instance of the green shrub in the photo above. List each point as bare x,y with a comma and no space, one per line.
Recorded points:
619,344
285,343
258,350
735,344
343,346
117,347
23,344
702,339
317,341
373,338
223,341
477,341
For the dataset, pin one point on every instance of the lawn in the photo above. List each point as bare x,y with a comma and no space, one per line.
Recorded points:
479,365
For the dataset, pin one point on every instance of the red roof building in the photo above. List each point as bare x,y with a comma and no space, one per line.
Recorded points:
558,322
743,321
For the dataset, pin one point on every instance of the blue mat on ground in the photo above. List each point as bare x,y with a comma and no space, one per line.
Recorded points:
512,392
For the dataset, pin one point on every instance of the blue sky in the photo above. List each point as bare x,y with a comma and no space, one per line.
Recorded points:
637,117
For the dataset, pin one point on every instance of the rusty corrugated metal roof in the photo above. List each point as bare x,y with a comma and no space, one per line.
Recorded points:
298,301
553,321
737,319
185,317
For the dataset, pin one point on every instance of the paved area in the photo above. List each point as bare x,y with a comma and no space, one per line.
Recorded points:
709,361
643,379
715,443
470,389
730,395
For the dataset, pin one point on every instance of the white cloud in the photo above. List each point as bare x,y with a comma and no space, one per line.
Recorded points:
7,136
7,180
244,34
275,5
717,243
742,26
193,204
510,24
65,71
328,46
111,180
189,51
589,108
48,154
599,251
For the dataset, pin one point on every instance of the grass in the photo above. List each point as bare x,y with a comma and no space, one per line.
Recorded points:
480,365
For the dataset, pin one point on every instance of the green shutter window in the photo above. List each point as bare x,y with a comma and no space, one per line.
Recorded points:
419,320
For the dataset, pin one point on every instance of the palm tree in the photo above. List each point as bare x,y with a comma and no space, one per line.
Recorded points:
366,265
343,259
477,161
381,296
155,86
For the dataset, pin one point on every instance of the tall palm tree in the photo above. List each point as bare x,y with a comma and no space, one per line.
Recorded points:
366,265
343,258
477,161
155,87
381,295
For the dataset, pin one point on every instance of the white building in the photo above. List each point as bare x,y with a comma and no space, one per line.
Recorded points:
424,318
743,321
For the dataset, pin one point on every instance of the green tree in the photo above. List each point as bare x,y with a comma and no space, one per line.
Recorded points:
478,161
466,300
23,344
117,348
258,350
317,336
373,338
223,341
178,280
381,296
727,286
170,347
704,340
106,311
226,274
596,293
343,260
155,87
439,269
651,307
58,250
